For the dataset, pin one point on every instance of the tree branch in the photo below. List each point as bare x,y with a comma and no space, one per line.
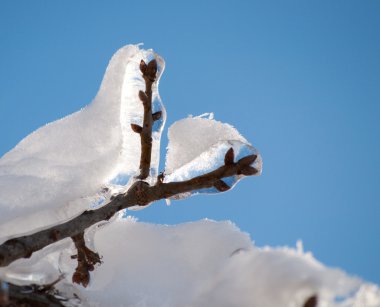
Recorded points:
149,74
140,193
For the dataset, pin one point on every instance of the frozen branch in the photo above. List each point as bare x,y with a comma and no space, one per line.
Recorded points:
149,74
141,193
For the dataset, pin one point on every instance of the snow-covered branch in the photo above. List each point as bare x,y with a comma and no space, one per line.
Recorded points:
65,187
141,193
149,72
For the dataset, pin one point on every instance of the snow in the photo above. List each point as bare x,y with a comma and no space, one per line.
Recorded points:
190,137
198,145
209,263
203,263
59,170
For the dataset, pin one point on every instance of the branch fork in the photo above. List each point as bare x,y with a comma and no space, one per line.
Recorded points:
140,193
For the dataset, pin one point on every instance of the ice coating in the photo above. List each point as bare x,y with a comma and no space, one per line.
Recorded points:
60,169
198,145
207,263
191,136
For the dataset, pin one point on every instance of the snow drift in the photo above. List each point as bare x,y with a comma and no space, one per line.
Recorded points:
202,263
61,169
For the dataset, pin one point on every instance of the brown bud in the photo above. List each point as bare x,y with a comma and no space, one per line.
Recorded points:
143,67
229,157
248,160
90,267
136,128
157,115
248,171
143,97
221,186
311,302
152,69
81,278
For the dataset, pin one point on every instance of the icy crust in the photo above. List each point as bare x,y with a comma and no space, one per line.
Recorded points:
189,137
204,263
60,170
198,145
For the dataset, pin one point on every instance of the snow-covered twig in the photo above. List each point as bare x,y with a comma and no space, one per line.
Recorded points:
149,72
140,193
87,259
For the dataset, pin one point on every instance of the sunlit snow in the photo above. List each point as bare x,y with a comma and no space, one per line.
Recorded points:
60,170
197,145
202,263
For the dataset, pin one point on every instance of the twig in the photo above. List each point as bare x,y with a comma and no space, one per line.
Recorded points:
87,259
149,74
141,193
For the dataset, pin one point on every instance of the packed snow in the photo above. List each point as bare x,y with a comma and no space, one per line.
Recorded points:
76,163
204,263
190,137
209,263
197,145
61,169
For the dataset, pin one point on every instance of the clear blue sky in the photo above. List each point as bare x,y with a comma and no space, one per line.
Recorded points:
299,79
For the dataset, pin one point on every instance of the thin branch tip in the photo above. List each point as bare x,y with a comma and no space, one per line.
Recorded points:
229,157
151,70
87,259
248,160
143,66
248,171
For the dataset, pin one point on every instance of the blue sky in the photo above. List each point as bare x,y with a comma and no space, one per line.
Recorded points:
299,79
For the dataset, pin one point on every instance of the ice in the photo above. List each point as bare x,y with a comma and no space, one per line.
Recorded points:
198,145
191,136
61,169
209,263
41,268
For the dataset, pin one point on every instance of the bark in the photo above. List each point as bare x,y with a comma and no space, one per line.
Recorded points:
140,193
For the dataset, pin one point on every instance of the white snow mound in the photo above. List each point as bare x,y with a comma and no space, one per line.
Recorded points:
203,263
59,170
209,263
